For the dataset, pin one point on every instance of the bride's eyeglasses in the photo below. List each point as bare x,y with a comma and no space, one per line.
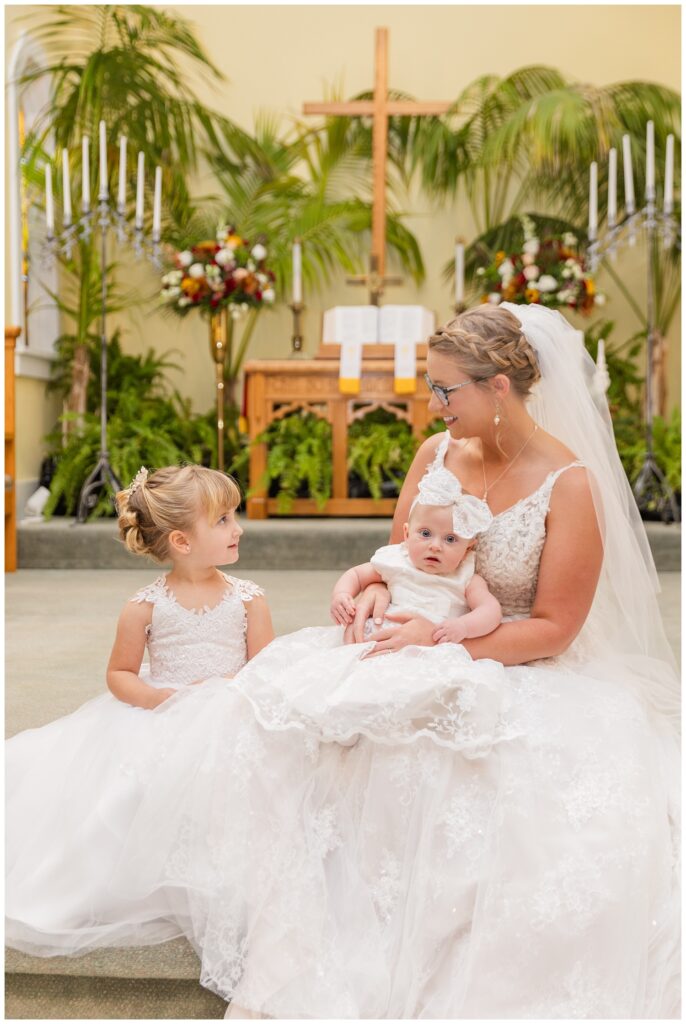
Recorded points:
443,394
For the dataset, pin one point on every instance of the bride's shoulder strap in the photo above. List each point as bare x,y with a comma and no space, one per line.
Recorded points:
555,475
441,449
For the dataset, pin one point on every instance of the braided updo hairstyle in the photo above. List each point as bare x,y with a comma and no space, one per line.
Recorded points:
171,499
486,341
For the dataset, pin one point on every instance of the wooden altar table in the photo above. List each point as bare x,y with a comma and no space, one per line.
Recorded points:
276,388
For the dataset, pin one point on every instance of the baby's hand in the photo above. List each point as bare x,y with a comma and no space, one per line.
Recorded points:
342,609
452,631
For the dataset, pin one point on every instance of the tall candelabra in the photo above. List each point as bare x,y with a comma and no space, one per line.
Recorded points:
105,216
651,488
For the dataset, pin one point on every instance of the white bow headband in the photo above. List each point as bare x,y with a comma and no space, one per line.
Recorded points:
471,515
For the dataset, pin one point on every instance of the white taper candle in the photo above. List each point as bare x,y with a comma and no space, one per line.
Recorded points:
459,272
612,189
669,175
66,188
140,189
629,198
49,208
297,273
593,204
121,193
85,175
650,160
157,205
102,194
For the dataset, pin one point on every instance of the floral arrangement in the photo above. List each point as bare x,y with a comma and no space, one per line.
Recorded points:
548,271
223,273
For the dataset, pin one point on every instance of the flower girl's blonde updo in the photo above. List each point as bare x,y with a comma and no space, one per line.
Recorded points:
170,499
486,341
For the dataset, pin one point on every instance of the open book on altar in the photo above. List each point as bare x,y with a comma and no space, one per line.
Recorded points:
373,325
376,331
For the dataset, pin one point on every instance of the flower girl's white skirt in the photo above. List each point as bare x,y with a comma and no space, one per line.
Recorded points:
412,835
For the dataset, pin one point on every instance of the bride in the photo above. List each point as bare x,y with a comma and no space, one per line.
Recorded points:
397,829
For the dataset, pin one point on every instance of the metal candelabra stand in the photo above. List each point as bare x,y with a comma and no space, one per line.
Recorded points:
651,489
107,217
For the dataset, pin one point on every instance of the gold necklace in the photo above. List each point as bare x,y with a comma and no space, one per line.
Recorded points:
489,487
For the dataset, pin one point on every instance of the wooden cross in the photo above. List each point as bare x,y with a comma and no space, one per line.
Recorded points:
380,108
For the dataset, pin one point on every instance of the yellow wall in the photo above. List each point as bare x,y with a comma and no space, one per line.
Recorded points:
277,57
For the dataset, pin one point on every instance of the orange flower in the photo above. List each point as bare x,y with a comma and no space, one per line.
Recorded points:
484,298
532,295
590,286
192,286
499,257
250,284
233,241
209,247
510,292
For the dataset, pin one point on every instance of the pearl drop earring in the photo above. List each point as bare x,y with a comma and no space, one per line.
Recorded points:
496,418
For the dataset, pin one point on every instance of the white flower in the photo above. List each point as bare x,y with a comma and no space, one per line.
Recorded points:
506,268
567,272
531,273
600,299
224,257
251,266
185,258
197,270
577,272
528,258
184,301
268,295
531,245
480,271
528,226
259,252
494,298
170,293
569,239
547,283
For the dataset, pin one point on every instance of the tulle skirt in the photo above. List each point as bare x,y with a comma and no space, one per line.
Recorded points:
410,836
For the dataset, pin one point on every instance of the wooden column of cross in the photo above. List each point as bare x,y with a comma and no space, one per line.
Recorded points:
380,108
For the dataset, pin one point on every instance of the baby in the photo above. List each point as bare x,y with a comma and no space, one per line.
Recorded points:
432,572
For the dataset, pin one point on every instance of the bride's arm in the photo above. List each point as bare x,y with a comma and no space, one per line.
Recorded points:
570,566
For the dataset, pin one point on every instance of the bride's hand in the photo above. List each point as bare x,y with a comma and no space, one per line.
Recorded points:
372,602
413,631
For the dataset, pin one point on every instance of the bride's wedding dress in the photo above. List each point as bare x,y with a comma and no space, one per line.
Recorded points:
421,835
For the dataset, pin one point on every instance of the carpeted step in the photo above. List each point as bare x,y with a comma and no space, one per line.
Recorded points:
144,982
266,544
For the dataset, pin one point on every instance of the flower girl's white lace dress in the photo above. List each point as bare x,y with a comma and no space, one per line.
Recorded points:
72,793
419,835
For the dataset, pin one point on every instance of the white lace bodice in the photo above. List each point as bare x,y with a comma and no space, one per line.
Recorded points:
185,645
508,554
435,597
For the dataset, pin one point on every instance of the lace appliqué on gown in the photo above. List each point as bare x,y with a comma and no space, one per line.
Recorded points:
188,644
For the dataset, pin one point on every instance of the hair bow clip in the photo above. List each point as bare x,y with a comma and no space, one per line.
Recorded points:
140,478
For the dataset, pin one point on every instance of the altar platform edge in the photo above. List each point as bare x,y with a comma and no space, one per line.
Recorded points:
282,543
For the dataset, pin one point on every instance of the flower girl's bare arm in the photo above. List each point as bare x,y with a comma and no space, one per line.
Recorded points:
260,628
483,618
127,657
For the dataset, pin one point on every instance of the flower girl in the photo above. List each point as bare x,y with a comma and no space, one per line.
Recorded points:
72,788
